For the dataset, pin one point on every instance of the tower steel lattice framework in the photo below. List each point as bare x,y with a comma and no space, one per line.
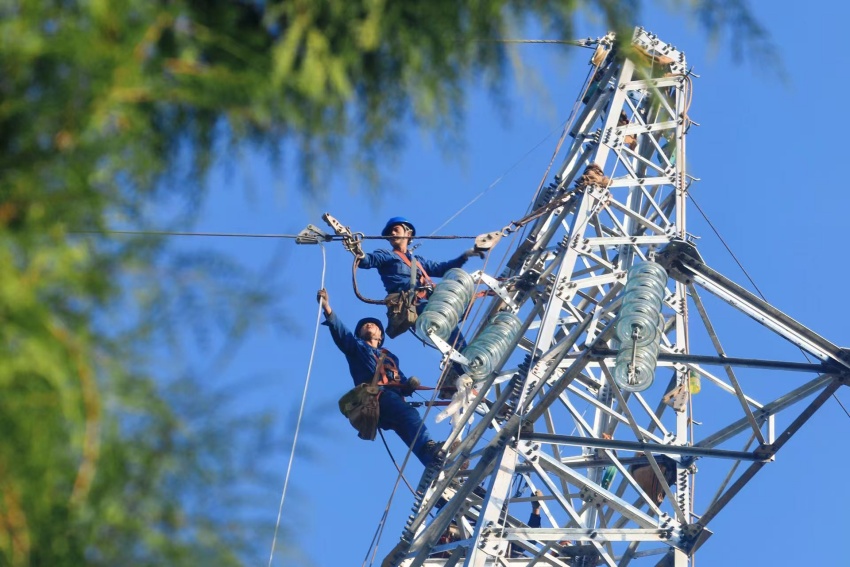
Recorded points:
550,418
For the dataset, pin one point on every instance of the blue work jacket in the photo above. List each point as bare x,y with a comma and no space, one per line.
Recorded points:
395,274
362,358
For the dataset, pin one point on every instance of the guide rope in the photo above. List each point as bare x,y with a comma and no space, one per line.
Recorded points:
300,412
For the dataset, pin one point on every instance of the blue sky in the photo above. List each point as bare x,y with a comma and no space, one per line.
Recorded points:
768,163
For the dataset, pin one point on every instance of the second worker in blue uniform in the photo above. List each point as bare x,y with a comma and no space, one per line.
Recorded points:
363,350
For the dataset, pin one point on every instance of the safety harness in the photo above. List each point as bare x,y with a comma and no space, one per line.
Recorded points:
418,275
384,363
401,305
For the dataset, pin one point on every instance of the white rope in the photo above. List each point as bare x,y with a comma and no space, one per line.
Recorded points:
300,412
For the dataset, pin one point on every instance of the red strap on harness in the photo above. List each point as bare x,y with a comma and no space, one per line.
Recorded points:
382,363
424,279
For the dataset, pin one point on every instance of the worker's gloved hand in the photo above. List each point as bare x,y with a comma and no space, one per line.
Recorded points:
410,386
474,252
357,250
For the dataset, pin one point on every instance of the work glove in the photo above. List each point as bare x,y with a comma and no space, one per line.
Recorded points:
410,386
474,252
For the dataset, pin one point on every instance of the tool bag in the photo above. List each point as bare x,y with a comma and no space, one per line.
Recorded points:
401,312
648,481
360,405
401,306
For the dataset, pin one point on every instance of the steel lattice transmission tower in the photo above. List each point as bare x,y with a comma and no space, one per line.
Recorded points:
614,466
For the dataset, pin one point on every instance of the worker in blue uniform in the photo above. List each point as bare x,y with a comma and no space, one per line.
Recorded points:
363,349
395,266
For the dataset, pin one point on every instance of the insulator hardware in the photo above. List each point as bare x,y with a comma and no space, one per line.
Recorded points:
488,348
638,322
446,306
639,326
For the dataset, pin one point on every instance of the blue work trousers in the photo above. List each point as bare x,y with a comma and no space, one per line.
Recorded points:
400,417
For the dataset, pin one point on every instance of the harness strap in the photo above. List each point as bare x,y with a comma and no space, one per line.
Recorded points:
381,369
424,279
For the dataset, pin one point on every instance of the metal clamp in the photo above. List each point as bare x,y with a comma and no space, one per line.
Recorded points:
350,240
312,235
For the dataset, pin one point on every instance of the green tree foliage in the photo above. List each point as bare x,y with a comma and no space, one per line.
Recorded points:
110,112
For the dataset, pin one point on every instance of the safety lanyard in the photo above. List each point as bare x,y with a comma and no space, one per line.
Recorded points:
424,280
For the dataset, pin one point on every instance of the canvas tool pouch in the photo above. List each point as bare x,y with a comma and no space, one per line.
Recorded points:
401,306
647,480
360,405
401,312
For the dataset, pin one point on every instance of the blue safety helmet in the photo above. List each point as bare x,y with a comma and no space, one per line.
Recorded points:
397,220
365,320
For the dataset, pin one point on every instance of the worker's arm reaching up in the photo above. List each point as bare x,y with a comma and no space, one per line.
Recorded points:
322,297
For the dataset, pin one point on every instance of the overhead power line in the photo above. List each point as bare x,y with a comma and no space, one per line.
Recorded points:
577,42
328,238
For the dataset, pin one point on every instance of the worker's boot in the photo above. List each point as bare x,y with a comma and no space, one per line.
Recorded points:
432,449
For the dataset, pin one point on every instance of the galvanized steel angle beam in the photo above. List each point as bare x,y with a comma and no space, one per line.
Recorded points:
489,524
739,393
655,416
767,410
720,383
617,241
698,272
618,182
584,428
482,468
636,430
643,223
547,464
644,434
585,534
718,504
587,255
595,105
497,287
